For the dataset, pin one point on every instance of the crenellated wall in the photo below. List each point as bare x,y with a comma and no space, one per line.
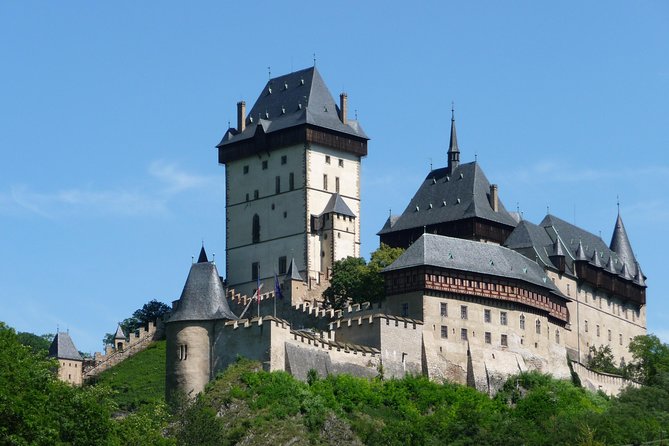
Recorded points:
607,383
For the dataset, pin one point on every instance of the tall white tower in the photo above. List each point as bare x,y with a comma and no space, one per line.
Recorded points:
292,172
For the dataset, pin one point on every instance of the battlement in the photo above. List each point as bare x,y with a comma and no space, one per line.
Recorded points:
369,319
137,341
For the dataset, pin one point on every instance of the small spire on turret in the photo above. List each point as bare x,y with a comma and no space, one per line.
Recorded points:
203,255
453,149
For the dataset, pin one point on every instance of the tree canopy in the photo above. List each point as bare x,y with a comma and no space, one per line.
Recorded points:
149,312
356,281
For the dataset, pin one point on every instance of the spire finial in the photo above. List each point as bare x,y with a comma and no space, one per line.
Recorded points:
390,213
269,72
314,59
618,203
453,149
452,111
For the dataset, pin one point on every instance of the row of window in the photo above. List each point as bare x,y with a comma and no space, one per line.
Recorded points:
277,186
614,307
264,164
598,332
328,161
487,316
504,339
325,183
282,267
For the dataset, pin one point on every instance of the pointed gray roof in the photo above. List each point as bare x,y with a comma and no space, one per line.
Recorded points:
557,248
293,273
580,252
290,100
119,333
446,196
62,347
639,277
620,243
203,296
202,258
453,149
595,259
337,205
471,256
610,267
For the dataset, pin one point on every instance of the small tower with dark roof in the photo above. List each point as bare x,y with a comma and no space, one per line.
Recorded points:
621,245
191,330
453,149
120,339
70,362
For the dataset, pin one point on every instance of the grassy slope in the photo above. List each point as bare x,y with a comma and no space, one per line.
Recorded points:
139,380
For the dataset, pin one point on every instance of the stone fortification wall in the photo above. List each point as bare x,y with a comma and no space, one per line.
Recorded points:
397,338
607,383
277,346
137,342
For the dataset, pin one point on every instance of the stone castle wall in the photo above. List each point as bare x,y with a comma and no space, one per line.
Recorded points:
607,383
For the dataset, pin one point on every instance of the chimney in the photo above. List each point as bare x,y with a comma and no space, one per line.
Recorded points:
241,116
343,107
494,200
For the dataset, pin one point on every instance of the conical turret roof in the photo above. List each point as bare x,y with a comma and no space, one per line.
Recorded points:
119,333
580,252
293,273
620,243
203,296
202,258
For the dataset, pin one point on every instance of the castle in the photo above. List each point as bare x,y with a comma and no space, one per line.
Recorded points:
478,295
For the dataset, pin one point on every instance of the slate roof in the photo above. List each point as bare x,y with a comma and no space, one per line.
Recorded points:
620,244
293,273
119,333
538,242
290,100
471,256
445,197
203,296
62,347
337,205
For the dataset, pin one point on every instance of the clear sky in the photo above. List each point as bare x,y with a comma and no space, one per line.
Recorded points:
110,111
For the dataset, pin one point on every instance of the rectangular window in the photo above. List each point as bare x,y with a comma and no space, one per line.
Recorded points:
463,312
341,162
444,309
284,159
282,265
255,266
522,322
502,317
620,339
325,182
337,184
277,184
246,170
327,159
256,194
264,165
609,335
247,197
488,337
444,332
405,310
486,316
586,326
597,330
463,334
291,181
504,340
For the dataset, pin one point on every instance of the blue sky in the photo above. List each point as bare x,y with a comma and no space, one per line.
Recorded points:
110,111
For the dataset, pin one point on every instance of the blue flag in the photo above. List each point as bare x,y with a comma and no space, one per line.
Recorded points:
277,288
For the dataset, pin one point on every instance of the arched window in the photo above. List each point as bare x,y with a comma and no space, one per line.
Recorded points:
522,322
557,336
538,326
255,235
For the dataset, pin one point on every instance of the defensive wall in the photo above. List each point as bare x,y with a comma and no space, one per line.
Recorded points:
606,382
135,343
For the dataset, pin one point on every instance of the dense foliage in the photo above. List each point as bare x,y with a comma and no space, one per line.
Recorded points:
355,281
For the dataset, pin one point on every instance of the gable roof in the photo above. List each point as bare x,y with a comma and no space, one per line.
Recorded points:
450,196
337,205
472,256
290,100
203,296
62,347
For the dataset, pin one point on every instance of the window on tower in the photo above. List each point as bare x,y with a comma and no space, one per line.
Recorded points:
327,159
255,267
284,159
255,233
278,184
325,182
341,162
291,181
337,184
264,165
282,265
246,170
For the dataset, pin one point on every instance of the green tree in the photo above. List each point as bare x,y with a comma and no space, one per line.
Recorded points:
601,359
650,363
36,343
150,312
356,281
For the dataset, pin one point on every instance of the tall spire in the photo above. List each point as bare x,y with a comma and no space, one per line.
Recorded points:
620,244
453,149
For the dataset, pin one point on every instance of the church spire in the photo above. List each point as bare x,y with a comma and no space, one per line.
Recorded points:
453,149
